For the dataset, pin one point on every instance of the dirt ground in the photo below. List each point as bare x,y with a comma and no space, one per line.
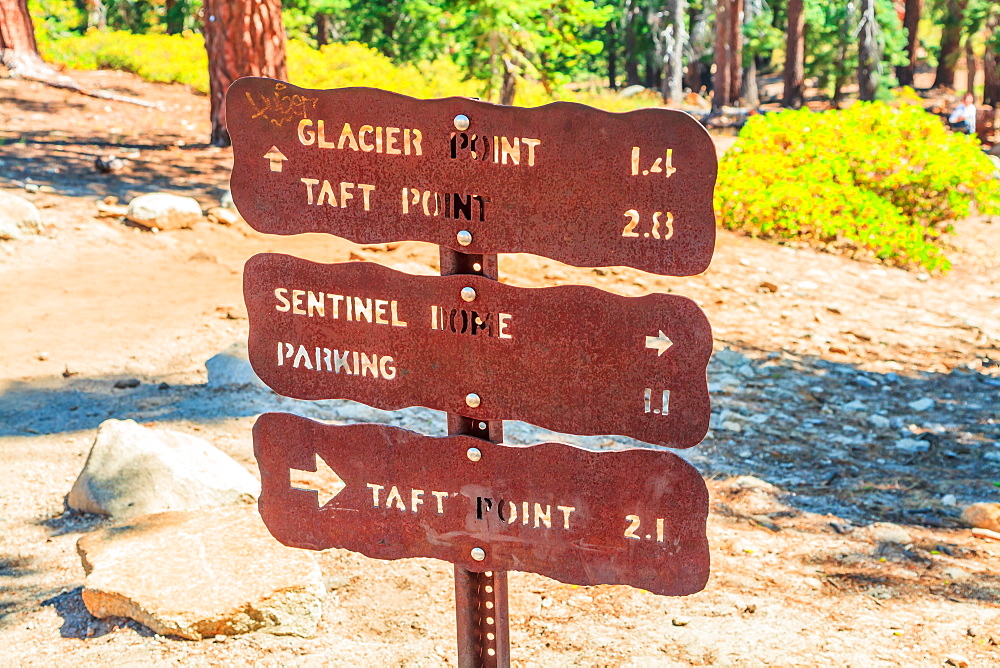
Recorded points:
834,356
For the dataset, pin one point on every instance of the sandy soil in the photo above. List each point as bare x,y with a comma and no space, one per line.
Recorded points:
798,576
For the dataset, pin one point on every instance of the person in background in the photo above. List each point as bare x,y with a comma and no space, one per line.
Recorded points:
963,119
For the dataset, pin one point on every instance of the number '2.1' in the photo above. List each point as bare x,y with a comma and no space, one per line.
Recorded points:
636,522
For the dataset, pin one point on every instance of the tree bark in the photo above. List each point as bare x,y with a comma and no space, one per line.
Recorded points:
795,56
970,66
868,53
18,49
750,94
673,66
951,42
991,67
631,57
699,39
509,86
323,29
721,84
243,38
174,12
911,21
735,49
612,55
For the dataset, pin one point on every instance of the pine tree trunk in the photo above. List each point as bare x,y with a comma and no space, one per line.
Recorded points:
951,43
750,94
18,49
991,68
721,84
868,55
673,75
509,86
970,66
911,21
322,21
795,56
735,49
174,12
243,38
631,57
612,55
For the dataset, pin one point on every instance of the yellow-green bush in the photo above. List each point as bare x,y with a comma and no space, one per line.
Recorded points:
871,181
182,59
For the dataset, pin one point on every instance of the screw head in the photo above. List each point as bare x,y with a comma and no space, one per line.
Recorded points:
461,122
474,454
478,553
464,237
472,400
468,294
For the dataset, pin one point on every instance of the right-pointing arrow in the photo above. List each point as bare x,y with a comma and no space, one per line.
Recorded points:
659,343
324,481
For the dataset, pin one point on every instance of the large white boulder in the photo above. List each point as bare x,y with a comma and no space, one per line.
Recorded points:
164,211
18,217
200,574
133,470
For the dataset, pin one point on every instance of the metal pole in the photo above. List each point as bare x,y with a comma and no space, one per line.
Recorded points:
481,615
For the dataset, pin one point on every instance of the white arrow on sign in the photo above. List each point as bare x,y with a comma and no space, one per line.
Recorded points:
324,481
276,157
659,343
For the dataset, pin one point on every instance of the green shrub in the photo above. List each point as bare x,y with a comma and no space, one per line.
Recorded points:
872,181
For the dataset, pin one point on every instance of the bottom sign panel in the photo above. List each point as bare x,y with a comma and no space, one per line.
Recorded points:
634,517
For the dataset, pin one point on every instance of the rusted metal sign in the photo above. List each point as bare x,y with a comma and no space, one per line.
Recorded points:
573,359
576,184
634,517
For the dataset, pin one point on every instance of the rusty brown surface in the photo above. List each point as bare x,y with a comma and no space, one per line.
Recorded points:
573,359
571,205
653,495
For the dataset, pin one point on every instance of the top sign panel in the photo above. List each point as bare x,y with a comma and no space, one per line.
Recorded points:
576,184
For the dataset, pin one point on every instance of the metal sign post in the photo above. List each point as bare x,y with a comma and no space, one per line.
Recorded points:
564,181
481,617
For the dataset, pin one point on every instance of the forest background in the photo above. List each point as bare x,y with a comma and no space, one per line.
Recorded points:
794,176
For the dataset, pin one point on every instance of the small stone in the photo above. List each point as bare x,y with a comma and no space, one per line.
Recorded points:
815,583
921,405
126,383
838,350
767,286
879,421
42,356
856,406
956,660
923,277
223,216
226,201
886,532
729,357
133,470
680,621
163,386
982,516
733,426
231,368
201,574
912,445
865,381
18,217
745,262
949,500
806,285
164,211
954,574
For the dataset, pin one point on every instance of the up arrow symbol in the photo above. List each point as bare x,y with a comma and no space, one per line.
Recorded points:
276,158
325,481
659,343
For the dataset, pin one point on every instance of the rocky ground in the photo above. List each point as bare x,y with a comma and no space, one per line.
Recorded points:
864,400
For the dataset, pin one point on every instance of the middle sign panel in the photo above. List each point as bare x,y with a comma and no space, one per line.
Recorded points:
573,359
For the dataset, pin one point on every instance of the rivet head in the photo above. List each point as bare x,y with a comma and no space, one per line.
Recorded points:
478,553
461,122
472,400
474,454
468,294
464,237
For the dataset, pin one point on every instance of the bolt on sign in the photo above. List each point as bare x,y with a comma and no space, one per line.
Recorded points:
570,358
575,184
564,181
389,493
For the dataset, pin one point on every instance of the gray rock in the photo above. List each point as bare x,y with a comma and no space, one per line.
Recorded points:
133,470
729,357
231,368
921,404
18,217
879,421
164,211
226,201
886,532
855,406
201,574
912,445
